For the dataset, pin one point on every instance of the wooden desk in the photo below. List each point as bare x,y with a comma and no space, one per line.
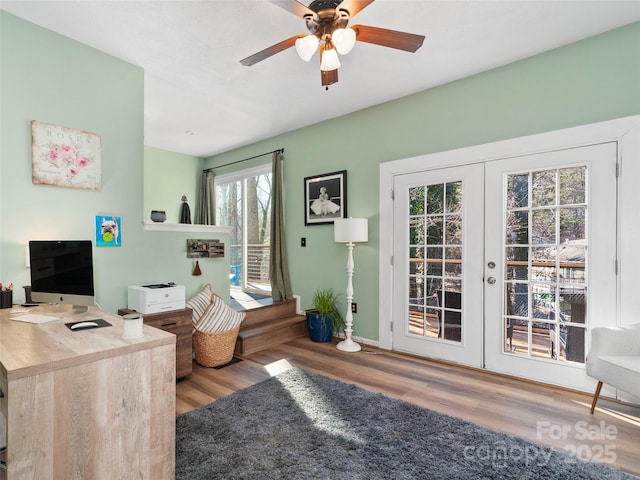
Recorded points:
86,404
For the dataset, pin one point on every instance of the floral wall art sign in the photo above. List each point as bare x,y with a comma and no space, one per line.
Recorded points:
65,157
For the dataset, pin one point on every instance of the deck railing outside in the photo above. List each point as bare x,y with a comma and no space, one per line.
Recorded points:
257,264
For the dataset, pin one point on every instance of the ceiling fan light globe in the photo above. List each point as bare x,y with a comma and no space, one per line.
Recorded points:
329,60
307,46
344,39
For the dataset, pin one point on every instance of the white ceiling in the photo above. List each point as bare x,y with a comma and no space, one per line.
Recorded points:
199,99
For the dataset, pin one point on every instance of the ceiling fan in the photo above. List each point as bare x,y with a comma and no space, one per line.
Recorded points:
327,22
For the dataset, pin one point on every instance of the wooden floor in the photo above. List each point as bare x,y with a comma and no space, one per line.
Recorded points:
548,415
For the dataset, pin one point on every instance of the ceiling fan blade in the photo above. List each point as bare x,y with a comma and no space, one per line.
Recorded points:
269,51
329,77
388,38
295,7
354,6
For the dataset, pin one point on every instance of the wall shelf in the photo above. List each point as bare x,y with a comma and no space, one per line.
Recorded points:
185,227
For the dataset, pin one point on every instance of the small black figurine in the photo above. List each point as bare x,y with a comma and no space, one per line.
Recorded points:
185,213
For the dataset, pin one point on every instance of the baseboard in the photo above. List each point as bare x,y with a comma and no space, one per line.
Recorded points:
299,311
364,341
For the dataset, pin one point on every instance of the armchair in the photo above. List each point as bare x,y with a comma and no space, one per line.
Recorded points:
614,359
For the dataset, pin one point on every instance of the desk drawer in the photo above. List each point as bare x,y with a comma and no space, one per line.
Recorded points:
173,324
177,322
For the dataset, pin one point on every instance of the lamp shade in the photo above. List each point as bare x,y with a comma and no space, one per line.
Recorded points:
307,46
351,230
329,60
344,39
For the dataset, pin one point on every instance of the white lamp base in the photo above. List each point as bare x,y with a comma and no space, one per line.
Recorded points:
348,346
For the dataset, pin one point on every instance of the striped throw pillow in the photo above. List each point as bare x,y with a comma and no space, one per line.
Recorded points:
219,317
200,303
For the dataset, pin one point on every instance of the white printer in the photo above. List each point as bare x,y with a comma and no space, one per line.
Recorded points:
154,298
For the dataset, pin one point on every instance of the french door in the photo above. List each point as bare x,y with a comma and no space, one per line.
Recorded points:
551,233
438,263
507,264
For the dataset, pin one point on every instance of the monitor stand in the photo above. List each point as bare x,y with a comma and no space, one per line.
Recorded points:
75,310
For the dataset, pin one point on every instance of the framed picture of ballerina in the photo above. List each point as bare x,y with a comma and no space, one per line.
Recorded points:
325,198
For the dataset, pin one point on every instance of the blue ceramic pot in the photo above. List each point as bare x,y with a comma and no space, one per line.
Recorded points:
320,328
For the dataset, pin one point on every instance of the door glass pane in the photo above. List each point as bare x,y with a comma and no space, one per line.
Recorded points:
545,264
543,188
258,216
573,185
543,226
434,230
572,224
435,282
434,291
543,302
416,231
517,263
517,299
434,261
517,231
454,197
416,290
435,199
572,342
432,323
416,201
416,260
416,320
229,214
453,229
518,191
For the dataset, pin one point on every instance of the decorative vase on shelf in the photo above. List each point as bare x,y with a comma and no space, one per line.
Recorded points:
158,216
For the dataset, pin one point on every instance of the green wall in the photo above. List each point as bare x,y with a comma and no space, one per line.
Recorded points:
589,81
167,177
47,77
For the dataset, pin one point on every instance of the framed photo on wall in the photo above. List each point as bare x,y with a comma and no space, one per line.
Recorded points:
65,157
108,231
325,198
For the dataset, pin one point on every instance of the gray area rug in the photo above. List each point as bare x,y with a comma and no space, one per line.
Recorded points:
300,425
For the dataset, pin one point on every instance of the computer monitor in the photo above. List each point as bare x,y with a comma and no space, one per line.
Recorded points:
62,272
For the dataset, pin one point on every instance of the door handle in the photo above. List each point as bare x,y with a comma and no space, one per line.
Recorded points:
491,280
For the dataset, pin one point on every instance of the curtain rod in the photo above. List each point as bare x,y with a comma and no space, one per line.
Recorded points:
280,150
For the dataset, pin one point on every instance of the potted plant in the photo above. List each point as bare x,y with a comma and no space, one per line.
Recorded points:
324,317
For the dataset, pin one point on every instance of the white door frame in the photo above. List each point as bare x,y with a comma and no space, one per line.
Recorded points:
625,131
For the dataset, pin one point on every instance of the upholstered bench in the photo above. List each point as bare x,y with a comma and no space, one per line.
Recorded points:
614,359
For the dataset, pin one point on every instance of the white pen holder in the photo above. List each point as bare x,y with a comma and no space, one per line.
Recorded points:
132,326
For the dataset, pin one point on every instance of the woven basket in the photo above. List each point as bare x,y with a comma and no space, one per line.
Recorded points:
214,348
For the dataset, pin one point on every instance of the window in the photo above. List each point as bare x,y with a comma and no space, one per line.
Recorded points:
243,202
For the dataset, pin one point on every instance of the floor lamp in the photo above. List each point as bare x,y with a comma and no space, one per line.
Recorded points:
350,231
